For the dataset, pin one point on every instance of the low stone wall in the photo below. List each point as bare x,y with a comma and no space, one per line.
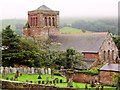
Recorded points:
84,78
107,77
29,86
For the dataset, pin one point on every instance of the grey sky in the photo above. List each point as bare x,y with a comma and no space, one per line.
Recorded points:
67,8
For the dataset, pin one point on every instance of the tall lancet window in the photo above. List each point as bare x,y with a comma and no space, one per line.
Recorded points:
49,21
45,21
53,21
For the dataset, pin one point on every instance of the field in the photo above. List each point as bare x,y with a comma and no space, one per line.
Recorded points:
34,79
70,30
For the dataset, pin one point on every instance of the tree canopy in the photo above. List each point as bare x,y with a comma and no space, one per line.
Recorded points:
38,52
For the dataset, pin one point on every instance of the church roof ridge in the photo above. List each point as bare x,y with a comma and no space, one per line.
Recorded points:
44,7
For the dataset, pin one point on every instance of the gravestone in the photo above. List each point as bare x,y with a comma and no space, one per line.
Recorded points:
25,70
60,80
28,71
56,80
47,80
1,69
6,69
50,82
27,81
7,78
30,81
39,82
69,84
11,78
86,86
46,70
39,77
49,71
32,70
4,72
10,69
52,73
42,71
21,70
14,70
16,75
43,82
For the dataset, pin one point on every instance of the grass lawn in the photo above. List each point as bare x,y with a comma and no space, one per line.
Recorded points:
70,30
34,79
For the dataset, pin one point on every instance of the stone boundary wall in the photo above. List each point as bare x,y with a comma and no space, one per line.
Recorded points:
84,78
29,86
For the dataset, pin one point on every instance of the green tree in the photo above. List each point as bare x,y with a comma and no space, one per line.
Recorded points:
10,44
17,50
73,58
117,42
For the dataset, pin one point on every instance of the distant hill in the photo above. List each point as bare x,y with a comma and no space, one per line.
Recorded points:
70,30
16,24
71,24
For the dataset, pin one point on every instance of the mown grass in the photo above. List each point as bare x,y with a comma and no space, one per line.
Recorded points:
34,79
70,30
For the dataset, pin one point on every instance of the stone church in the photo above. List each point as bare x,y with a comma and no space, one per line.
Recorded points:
97,47
43,20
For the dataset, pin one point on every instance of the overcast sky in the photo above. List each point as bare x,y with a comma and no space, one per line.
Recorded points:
68,8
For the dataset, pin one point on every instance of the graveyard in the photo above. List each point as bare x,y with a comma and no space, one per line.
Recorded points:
31,76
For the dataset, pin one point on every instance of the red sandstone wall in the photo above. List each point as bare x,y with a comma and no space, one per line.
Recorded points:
85,78
91,55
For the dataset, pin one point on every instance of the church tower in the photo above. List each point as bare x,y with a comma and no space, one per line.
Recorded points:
43,20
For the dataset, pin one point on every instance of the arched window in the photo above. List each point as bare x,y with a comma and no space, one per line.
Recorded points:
108,56
49,21
113,55
31,21
36,21
104,54
53,21
45,21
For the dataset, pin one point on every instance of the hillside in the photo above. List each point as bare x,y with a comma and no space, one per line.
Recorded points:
70,30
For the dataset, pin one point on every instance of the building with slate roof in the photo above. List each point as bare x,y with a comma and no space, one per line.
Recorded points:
97,48
42,20
107,73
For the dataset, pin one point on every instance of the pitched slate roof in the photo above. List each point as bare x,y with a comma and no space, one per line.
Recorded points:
110,67
43,7
81,42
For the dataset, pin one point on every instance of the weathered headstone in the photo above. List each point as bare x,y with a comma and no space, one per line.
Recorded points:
46,70
30,81
49,71
16,75
6,69
39,82
25,70
10,69
4,72
11,78
42,71
1,69
7,78
27,81
43,82
32,70
39,77
28,71
14,70
60,80
52,73
56,80
69,84
47,80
